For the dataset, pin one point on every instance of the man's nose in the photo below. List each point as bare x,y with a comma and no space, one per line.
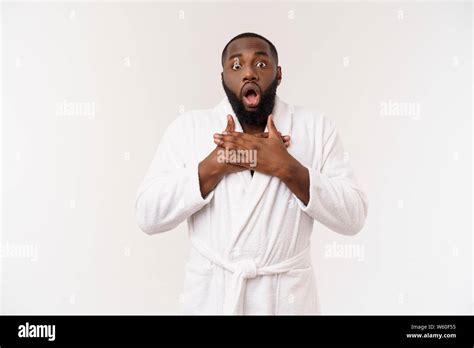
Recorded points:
250,75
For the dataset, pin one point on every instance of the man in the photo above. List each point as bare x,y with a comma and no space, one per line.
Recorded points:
250,217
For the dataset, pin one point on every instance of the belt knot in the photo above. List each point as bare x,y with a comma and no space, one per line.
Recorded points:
247,268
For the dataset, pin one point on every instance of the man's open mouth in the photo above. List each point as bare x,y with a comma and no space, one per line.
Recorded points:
251,95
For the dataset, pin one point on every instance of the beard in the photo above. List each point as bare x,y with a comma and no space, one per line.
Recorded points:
259,116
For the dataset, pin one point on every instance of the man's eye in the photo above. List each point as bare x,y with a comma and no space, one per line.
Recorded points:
261,64
236,66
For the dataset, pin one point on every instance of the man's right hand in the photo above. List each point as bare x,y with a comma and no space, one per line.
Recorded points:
211,171
228,168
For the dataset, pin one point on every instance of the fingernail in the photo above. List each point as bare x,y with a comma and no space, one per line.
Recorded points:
225,133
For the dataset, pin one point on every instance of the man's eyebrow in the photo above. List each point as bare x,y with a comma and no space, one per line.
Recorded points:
261,53
234,56
256,53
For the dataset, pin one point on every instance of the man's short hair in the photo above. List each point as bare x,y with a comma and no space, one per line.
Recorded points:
273,50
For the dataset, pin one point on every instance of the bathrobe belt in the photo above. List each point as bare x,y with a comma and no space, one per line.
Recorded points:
246,269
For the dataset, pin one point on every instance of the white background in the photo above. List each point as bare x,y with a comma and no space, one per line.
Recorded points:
69,180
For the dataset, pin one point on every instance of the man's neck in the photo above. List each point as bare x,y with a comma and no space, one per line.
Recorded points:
250,129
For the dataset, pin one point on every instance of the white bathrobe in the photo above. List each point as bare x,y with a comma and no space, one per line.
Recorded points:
250,236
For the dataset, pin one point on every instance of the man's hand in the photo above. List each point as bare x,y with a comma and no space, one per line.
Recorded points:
285,138
270,148
224,167
272,157
211,171
228,168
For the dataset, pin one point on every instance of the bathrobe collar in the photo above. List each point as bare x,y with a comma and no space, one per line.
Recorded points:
283,119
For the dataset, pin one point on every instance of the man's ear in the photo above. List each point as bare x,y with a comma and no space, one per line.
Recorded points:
279,76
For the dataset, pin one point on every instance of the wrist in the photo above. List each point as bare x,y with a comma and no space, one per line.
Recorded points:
211,167
288,170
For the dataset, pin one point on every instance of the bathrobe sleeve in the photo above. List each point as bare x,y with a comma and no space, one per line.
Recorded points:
336,200
170,191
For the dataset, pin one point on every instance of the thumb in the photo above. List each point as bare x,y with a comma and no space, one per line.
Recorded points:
230,124
272,131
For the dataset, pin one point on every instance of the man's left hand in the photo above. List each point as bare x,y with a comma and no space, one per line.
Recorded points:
272,156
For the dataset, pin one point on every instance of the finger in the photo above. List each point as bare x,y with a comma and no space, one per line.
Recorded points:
229,145
245,140
237,161
272,131
230,124
265,135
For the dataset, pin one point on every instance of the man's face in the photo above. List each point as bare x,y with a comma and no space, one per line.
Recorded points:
250,78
